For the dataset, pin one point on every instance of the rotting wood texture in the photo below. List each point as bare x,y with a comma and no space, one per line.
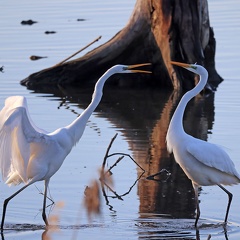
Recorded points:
158,31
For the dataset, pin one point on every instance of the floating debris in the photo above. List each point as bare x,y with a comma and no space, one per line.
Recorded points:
33,57
50,32
28,22
81,19
1,69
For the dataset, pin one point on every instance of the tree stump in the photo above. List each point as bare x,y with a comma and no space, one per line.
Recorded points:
158,31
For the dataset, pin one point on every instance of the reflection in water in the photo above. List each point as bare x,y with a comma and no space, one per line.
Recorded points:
177,229
143,116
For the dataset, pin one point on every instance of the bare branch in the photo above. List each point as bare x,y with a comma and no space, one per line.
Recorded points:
108,149
125,154
58,64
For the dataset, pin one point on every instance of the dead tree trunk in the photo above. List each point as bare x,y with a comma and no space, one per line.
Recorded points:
158,31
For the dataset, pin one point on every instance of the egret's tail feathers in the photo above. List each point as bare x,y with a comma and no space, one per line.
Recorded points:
14,179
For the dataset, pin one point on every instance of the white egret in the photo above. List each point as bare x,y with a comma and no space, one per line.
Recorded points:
204,163
29,154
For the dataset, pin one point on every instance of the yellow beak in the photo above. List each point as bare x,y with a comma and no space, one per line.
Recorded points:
185,65
130,67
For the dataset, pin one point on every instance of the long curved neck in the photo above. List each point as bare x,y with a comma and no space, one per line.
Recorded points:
77,127
176,122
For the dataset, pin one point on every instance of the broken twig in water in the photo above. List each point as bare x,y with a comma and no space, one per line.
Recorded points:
125,154
40,192
115,164
106,181
108,149
151,177
105,172
58,64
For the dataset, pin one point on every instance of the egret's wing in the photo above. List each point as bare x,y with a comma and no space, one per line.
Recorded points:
16,135
211,155
18,101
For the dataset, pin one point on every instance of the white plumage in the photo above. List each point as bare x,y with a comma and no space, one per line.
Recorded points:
18,134
204,163
28,153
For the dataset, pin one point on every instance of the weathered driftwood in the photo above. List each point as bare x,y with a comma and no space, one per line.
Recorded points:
158,31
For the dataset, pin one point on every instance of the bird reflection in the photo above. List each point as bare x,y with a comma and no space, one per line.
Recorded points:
68,106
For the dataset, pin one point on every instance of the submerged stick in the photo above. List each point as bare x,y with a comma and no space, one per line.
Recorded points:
107,155
58,64
125,154
151,177
108,149
115,164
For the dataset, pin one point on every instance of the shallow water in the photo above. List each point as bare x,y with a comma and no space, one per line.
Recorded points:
161,209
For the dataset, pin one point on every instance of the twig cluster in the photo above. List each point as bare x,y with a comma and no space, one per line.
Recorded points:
106,182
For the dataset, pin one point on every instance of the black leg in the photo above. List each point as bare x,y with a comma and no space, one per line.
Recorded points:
44,202
229,201
6,203
197,205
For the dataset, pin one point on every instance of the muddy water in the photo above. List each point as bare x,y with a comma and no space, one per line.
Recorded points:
136,208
